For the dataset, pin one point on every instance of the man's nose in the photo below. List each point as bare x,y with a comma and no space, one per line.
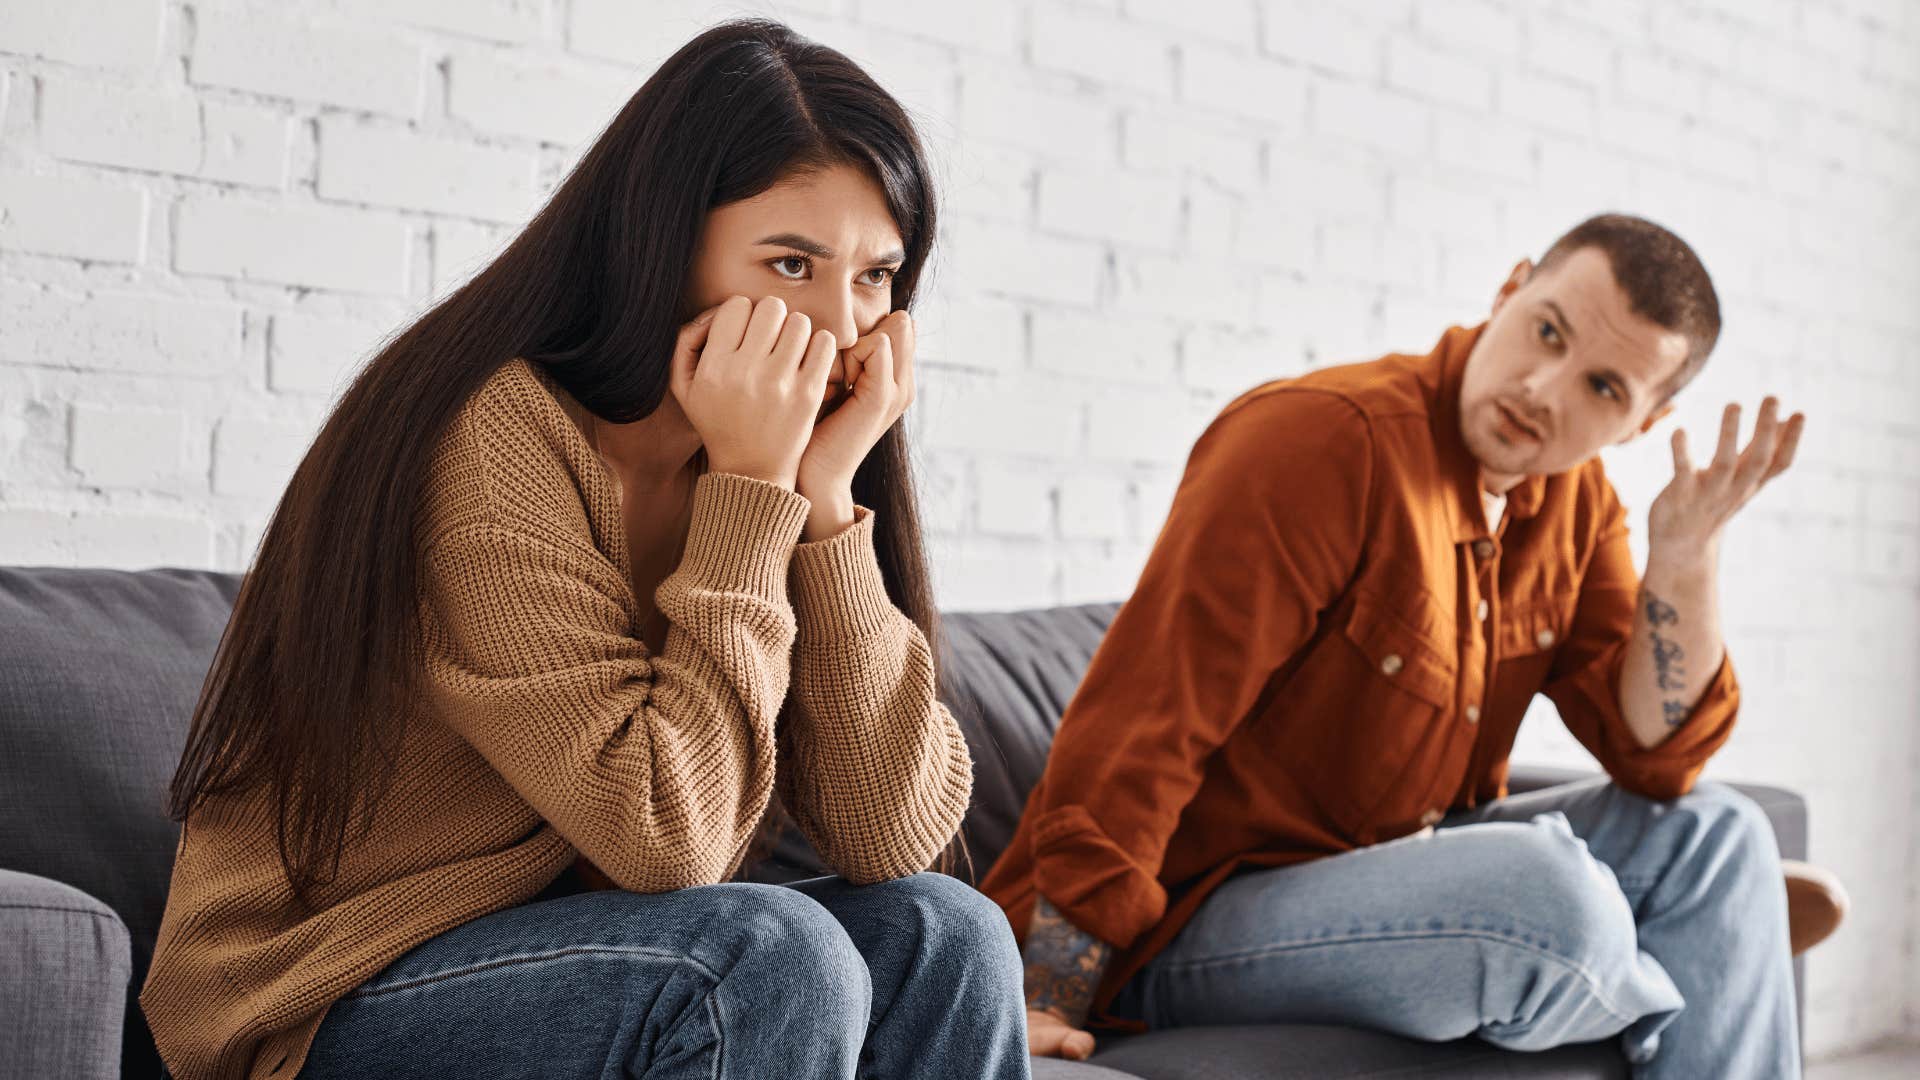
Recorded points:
1537,384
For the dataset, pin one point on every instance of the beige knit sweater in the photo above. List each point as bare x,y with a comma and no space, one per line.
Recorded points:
551,731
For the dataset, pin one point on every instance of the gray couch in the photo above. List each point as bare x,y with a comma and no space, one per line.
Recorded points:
98,674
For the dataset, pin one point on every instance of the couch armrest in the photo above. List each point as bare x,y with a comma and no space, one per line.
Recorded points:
1785,810
65,963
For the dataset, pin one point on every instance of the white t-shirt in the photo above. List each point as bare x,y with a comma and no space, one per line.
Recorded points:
1496,508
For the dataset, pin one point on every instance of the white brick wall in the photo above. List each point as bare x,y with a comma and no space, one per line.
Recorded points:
210,212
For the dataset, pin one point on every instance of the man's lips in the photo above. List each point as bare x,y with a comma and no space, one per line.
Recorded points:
1514,423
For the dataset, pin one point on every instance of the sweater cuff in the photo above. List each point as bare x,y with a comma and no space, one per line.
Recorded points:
742,534
838,593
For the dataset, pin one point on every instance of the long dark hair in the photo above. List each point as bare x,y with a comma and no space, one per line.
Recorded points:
318,667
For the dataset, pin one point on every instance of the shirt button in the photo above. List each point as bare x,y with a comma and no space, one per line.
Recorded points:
1473,714
1483,548
1431,817
1483,609
1544,637
1392,664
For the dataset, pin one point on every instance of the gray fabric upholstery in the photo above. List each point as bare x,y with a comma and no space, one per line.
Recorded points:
101,670
65,962
1304,1051
1055,1069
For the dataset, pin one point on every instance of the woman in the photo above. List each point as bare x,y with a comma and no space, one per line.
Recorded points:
609,546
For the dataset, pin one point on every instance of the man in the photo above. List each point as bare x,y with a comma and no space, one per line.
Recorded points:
1278,793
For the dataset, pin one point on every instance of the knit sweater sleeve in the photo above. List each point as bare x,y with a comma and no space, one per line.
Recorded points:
656,767
873,768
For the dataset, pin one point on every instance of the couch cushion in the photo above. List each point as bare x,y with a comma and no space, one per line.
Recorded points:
99,677
1302,1051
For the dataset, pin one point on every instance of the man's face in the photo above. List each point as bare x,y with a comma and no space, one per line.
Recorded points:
1564,368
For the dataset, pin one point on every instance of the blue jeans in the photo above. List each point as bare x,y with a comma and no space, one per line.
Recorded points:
916,978
1573,914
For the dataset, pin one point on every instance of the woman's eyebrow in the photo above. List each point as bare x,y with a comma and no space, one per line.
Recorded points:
821,251
799,243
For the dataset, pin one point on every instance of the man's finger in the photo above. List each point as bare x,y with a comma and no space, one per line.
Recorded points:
1789,445
1682,463
1728,451
1759,452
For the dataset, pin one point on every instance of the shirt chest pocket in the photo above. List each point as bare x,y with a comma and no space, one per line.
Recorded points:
1534,627
1527,637
1384,699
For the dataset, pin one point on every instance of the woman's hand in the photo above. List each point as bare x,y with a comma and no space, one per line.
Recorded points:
879,370
750,376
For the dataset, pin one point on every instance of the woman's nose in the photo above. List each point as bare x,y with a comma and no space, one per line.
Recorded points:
833,310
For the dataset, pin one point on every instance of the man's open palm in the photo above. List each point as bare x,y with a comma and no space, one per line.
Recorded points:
1697,503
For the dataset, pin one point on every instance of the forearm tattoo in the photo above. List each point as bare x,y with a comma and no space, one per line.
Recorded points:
1064,964
1669,670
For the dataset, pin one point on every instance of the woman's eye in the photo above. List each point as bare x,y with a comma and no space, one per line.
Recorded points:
1604,388
879,275
1547,332
792,267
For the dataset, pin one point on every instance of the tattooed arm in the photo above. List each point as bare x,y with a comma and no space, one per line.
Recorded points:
1675,649
1064,965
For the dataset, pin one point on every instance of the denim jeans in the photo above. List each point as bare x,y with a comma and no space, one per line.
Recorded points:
1567,915
916,978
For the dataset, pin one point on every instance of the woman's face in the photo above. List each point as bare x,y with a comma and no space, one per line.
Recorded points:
822,241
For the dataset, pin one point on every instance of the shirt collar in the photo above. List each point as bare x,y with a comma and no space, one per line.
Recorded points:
1442,373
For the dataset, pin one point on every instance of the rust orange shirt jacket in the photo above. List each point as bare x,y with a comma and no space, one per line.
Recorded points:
1329,648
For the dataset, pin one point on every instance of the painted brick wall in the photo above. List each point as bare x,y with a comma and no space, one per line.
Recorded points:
210,211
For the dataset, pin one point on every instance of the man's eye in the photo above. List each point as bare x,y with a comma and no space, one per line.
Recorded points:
880,275
1604,388
793,267
1548,333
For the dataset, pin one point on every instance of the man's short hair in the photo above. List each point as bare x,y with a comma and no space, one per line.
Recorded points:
1663,279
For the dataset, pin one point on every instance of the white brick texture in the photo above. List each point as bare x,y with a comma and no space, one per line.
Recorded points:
212,211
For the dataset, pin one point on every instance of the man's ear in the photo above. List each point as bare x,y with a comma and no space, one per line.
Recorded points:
1522,270
1654,417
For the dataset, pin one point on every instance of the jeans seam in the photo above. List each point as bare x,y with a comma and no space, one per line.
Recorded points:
527,958
1586,976
719,1036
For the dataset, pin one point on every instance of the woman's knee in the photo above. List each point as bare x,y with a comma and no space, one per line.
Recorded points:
772,937
956,923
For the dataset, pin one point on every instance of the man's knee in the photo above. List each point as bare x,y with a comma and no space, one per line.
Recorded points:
1729,820
1562,898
